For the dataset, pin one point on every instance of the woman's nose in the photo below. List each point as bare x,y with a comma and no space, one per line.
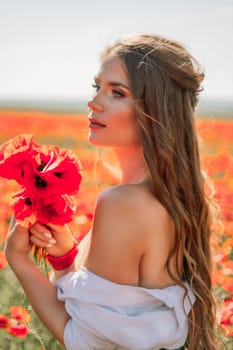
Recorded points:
94,106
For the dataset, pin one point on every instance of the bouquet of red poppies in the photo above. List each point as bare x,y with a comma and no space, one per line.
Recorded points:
49,179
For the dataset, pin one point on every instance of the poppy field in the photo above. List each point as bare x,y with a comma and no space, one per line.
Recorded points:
19,326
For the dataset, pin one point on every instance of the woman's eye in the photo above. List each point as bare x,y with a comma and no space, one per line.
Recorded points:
117,93
96,87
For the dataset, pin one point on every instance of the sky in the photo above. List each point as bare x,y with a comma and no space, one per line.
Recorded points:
49,49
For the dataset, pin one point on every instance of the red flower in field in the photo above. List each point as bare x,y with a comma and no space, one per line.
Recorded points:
16,158
3,321
20,313
18,330
3,260
227,312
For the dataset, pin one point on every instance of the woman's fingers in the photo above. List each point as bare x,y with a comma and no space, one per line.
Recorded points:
42,243
56,239
62,234
41,236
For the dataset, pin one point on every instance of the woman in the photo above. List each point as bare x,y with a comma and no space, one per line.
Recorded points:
142,276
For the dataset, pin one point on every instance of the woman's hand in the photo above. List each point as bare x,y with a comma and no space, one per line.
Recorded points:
56,239
17,240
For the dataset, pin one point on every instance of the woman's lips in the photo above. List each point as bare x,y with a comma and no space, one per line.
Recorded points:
95,124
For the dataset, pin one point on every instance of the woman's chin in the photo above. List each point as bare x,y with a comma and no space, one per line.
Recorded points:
94,141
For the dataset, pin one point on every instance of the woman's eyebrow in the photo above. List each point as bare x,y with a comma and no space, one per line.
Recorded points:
114,83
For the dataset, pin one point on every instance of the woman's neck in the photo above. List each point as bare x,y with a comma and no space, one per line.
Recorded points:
133,165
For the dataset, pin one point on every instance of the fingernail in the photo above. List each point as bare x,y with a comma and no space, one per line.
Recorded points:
49,245
52,241
47,234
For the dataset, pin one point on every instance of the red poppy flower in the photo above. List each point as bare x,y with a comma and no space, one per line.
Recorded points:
20,313
57,172
4,320
48,176
56,210
25,206
227,312
16,158
18,330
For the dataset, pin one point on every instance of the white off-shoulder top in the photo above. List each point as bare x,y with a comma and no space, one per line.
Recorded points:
105,315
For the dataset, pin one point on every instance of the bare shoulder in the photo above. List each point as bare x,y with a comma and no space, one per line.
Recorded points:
126,220
126,202
119,197
132,200
118,192
118,212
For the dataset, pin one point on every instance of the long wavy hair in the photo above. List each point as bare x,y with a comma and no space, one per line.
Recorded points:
165,83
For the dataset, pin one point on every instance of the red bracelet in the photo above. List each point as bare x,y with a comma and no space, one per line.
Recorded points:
64,261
